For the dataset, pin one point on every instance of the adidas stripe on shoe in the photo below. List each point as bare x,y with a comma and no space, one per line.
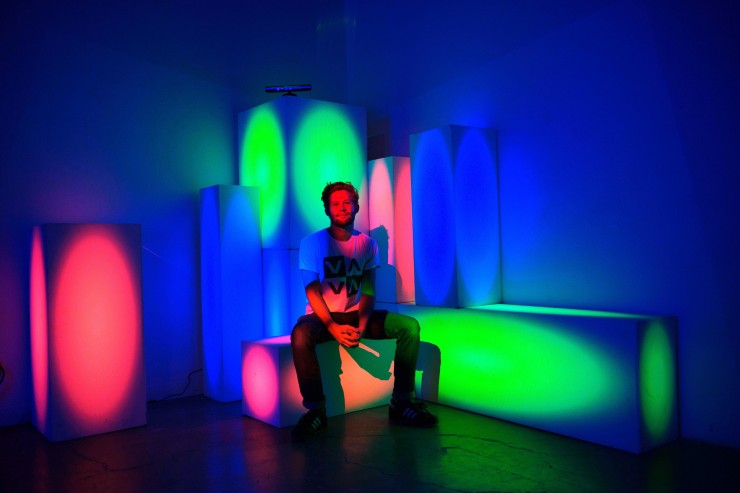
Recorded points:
309,424
411,413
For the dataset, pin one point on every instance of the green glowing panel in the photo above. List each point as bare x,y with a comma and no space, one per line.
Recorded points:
262,164
329,145
290,148
658,391
604,377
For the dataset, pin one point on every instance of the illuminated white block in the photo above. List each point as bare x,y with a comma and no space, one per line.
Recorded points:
290,148
231,284
391,227
353,379
86,329
455,217
604,377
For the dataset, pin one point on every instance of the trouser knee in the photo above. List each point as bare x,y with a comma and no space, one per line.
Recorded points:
301,336
410,330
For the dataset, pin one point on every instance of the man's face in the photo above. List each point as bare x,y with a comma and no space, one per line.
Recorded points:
341,209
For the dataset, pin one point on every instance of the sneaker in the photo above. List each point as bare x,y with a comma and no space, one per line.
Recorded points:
411,413
309,424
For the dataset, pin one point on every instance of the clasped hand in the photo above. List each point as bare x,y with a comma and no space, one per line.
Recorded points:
346,335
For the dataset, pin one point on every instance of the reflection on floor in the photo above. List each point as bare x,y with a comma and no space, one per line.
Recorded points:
195,444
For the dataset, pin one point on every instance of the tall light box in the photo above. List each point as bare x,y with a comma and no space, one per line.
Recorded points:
231,284
86,329
390,226
455,217
290,148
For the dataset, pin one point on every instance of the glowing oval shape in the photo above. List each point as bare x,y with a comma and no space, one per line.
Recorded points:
39,332
657,382
260,382
96,333
434,239
327,148
262,164
476,220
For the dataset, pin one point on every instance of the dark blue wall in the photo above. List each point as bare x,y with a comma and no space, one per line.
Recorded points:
90,134
618,152
618,155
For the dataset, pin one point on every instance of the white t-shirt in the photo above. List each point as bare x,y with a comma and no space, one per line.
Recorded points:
340,265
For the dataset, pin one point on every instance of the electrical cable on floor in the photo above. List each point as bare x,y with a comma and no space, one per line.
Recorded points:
190,376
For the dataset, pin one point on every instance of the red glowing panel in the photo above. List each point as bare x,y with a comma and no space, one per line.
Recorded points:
39,331
95,332
260,382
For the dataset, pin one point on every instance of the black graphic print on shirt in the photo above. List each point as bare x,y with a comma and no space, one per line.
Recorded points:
338,275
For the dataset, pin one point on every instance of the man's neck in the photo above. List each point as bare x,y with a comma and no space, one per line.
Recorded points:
341,233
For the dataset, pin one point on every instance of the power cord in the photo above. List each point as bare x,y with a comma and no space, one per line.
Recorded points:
190,376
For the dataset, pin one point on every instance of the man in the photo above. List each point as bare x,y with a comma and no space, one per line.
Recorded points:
337,267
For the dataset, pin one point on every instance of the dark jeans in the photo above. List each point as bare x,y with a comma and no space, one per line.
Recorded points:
310,331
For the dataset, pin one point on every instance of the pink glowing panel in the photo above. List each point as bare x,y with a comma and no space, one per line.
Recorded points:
39,332
391,227
260,372
93,335
404,229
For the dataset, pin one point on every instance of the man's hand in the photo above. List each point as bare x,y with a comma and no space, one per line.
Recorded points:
346,335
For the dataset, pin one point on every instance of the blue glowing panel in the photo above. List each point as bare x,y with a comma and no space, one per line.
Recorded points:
476,216
297,292
455,217
432,178
290,148
86,329
390,226
276,283
231,284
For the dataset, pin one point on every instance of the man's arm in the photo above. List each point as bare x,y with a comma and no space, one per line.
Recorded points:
346,335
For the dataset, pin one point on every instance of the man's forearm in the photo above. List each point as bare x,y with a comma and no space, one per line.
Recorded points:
318,305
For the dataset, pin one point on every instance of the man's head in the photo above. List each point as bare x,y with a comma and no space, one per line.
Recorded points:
341,202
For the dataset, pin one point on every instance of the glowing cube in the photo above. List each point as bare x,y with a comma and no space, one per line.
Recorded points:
353,379
231,284
455,217
608,378
290,148
391,227
86,329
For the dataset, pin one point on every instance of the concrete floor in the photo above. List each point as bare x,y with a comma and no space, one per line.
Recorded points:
195,444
